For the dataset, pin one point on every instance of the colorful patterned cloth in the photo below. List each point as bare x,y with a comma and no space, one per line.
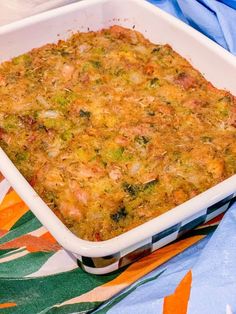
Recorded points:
38,276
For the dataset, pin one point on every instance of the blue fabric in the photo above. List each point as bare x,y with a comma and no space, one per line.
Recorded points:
215,19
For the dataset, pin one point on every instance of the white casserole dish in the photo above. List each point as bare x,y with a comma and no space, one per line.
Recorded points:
214,62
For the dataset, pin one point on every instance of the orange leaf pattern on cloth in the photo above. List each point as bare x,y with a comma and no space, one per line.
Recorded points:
32,244
10,215
47,236
178,301
2,232
6,305
10,199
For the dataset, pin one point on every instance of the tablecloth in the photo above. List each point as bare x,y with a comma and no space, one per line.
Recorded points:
194,275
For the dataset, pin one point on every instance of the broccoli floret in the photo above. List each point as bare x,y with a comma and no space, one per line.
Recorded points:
120,214
131,189
84,113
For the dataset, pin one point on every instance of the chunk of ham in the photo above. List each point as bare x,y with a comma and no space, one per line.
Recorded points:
185,80
81,195
2,81
141,129
194,104
2,132
122,140
70,210
115,174
232,119
4,136
149,69
28,120
91,172
85,79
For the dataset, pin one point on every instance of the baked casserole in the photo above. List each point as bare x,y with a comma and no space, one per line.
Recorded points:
112,130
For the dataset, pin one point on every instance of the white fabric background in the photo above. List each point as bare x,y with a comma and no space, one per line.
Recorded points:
12,10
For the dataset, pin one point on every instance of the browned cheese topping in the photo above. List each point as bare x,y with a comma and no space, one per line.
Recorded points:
112,130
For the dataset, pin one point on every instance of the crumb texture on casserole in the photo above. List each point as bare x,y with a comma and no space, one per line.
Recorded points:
112,130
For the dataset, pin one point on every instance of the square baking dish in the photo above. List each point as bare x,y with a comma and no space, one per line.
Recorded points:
215,63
